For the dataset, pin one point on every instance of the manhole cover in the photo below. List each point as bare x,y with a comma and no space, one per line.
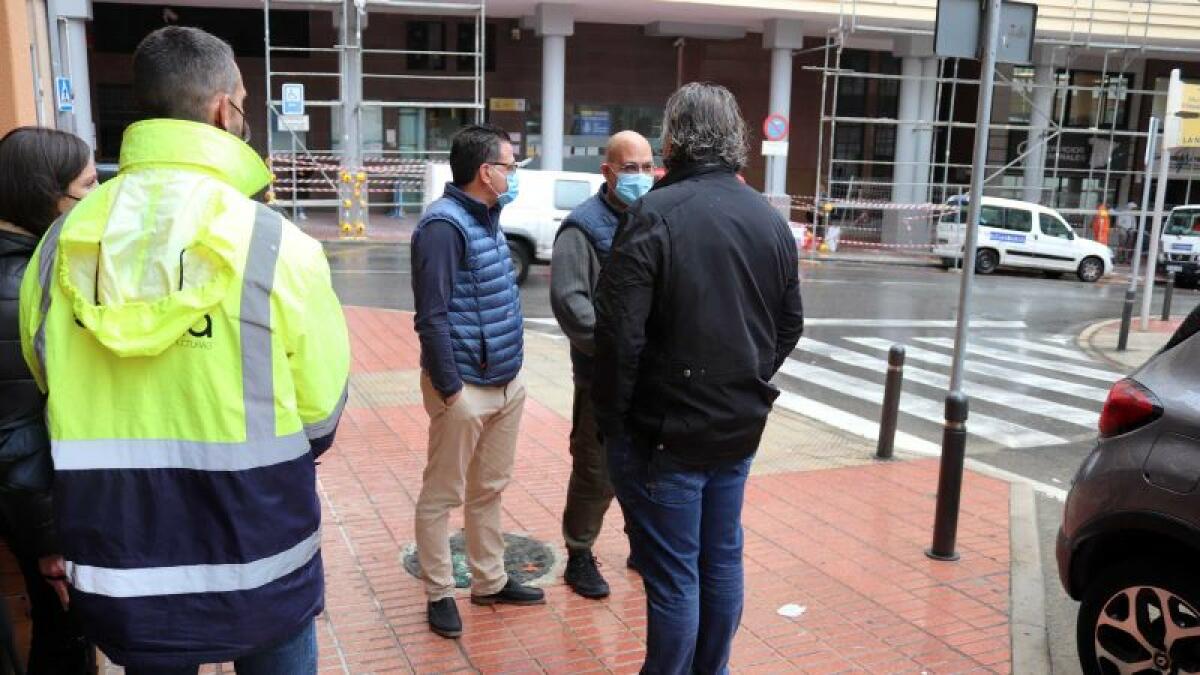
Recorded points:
525,559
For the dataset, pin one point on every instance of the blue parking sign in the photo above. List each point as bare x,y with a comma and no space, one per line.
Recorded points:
293,98
64,95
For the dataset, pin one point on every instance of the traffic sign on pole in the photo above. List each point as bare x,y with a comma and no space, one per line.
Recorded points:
775,127
293,98
64,94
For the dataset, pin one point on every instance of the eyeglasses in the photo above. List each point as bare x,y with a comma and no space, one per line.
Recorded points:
634,167
509,167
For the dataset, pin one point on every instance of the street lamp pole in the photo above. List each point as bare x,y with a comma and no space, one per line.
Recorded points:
945,527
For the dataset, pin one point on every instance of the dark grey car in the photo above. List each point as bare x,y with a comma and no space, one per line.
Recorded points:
1129,546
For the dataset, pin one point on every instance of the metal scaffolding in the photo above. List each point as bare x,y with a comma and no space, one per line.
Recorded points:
345,172
858,204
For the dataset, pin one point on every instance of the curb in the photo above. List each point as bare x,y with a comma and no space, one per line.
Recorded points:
1028,626
869,260
1086,342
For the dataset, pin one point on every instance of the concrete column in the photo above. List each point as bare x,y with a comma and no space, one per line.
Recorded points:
923,150
68,37
16,69
553,23
781,36
911,70
780,104
1039,122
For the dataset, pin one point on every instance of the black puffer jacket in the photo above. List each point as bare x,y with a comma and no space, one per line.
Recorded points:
696,309
26,469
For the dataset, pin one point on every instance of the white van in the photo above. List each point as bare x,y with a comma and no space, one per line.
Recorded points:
1021,234
530,222
1179,247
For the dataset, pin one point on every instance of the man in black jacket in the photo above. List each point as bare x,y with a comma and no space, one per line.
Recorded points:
696,310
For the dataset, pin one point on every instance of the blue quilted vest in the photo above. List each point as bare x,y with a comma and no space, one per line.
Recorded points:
486,325
597,220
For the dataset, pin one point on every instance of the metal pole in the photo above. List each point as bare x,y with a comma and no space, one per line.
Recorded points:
954,437
1160,197
891,403
1131,293
1167,293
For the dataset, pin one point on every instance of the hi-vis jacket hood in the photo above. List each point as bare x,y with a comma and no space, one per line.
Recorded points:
120,265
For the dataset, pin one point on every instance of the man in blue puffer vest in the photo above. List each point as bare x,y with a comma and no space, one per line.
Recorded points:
470,326
581,248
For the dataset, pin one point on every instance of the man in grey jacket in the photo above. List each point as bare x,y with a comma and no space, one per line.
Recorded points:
581,248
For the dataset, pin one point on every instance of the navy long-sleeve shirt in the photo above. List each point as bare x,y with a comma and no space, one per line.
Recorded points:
437,251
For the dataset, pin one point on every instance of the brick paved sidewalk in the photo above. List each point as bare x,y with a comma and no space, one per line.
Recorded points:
826,529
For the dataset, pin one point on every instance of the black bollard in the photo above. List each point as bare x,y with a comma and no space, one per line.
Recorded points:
891,403
1126,319
950,477
1167,293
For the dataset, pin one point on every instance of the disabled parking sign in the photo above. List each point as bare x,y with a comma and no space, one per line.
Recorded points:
293,98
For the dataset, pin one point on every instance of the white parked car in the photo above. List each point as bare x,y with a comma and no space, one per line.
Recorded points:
1021,234
1179,248
530,222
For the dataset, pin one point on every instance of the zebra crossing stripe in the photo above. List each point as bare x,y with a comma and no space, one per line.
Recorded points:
983,392
1027,345
1001,373
864,428
993,429
1106,376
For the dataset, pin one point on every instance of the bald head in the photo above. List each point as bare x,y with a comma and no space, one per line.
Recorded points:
628,152
626,144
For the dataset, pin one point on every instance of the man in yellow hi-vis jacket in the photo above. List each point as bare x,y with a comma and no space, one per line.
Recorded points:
195,360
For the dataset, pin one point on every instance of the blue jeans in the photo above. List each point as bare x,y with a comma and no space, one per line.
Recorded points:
686,540
296,656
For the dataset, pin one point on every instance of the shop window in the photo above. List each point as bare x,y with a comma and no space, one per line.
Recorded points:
1097,100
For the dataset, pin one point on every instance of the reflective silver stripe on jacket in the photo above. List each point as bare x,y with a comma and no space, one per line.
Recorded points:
329,424
143,453
138,582
46,259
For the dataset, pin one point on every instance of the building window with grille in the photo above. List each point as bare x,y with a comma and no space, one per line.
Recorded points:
466,43
427,36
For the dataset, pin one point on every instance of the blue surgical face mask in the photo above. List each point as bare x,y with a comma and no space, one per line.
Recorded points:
514,187
633,186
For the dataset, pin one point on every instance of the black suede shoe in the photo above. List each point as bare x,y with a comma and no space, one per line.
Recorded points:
583,576
444,619
512,594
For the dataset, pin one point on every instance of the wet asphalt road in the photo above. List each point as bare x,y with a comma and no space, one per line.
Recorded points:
907,303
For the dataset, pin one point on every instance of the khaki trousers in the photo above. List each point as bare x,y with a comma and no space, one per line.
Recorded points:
471,444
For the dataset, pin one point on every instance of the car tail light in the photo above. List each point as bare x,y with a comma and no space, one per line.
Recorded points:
1129,406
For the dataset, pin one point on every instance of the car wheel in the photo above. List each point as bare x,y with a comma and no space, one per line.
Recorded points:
522,258
1052,275
1140,616
1091,269
986,261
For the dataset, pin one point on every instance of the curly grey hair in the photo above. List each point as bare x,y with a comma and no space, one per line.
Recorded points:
702,123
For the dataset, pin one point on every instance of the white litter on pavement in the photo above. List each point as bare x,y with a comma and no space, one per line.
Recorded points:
792,611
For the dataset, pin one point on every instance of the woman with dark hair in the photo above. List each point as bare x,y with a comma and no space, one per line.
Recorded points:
43,174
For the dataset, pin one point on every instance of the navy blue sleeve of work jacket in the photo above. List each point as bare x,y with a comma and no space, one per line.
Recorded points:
436,251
